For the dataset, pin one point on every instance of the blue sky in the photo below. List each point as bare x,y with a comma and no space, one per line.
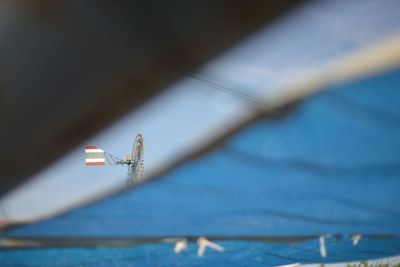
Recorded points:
188,113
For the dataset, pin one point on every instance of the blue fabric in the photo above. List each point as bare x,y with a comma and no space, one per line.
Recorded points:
331,166
236,253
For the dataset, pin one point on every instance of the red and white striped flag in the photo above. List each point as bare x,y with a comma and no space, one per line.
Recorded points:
94,156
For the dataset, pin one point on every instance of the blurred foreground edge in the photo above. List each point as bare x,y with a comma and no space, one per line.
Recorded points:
70,68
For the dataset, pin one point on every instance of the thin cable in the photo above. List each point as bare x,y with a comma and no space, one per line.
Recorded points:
227,90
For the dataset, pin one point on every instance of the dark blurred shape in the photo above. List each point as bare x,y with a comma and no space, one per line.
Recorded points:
72,67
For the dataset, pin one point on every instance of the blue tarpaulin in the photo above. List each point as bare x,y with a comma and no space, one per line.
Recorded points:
330,166
236,253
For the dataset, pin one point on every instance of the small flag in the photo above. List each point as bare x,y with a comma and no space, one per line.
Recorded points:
94,156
